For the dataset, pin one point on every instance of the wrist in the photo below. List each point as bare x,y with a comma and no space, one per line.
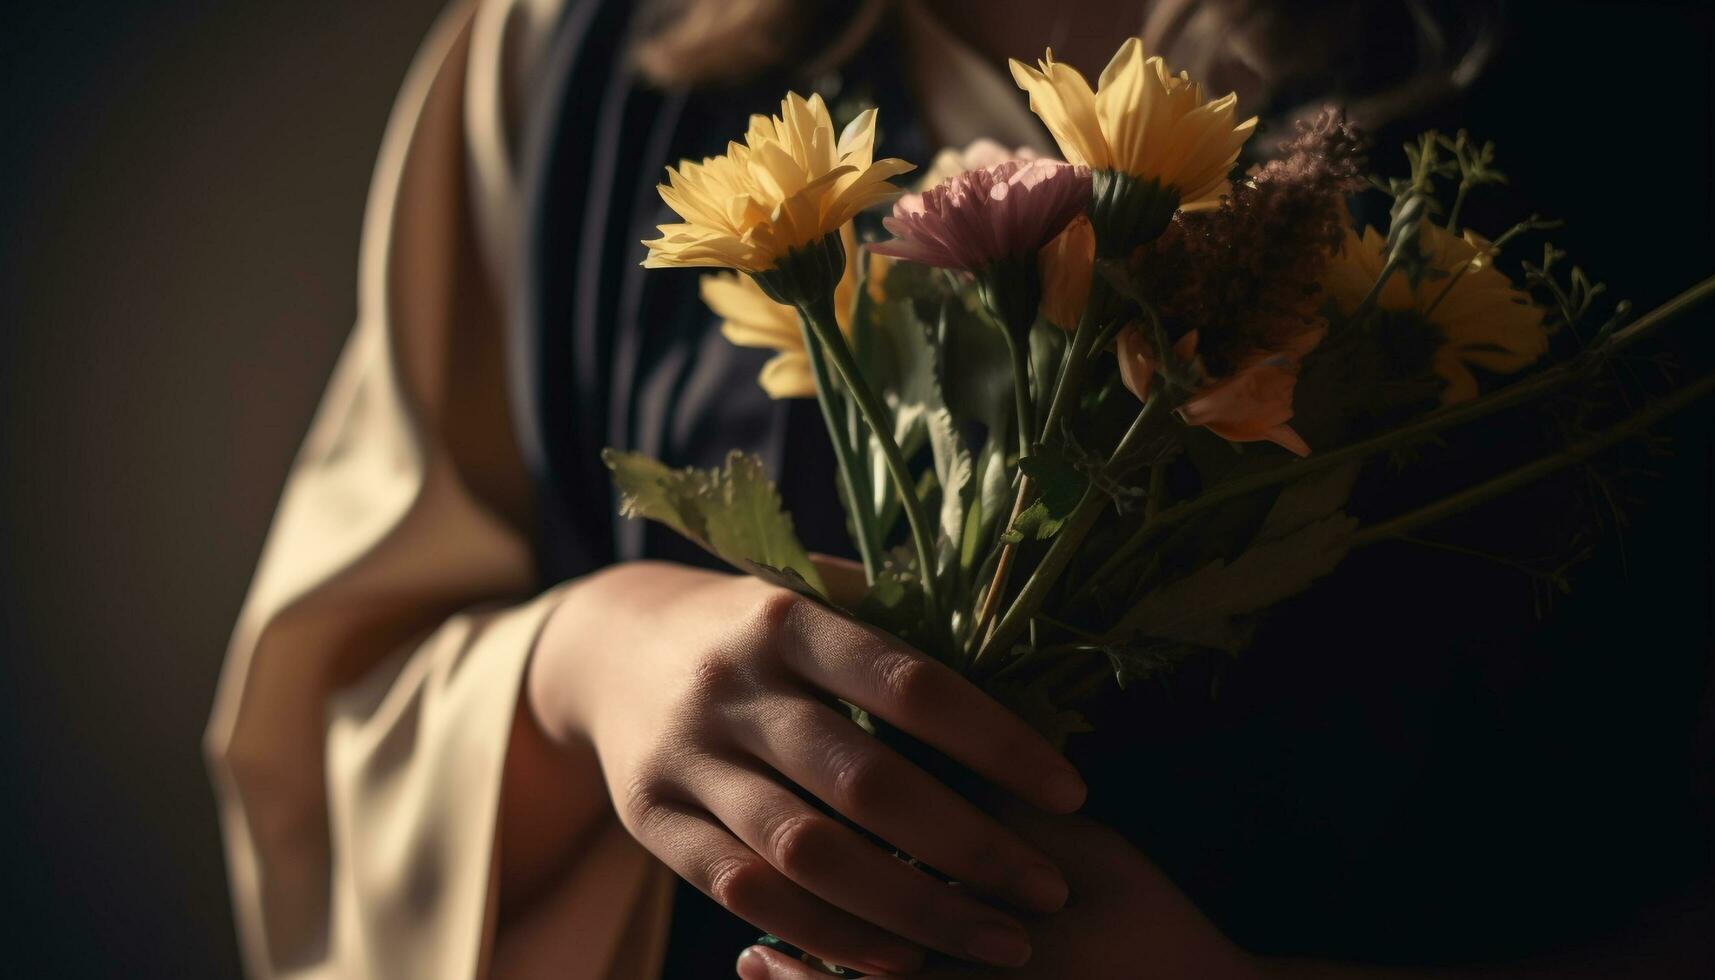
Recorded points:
559,675
605,620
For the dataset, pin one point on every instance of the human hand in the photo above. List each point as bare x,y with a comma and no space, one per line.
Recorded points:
1124,919
706,697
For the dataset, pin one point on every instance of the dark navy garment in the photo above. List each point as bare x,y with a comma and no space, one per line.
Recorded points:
611,355
1406,766
607,354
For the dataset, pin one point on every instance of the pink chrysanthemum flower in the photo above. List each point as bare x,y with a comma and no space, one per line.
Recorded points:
983,217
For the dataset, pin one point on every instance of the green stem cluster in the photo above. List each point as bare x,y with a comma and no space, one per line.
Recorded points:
1066,388
853,476
818,316
1066,543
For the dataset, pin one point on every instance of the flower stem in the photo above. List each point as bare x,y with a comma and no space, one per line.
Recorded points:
1025,403
1458,206
985,618
1002,569
819,316
845,456
1071,372
1065,546
1513,479
1369,300
1514,394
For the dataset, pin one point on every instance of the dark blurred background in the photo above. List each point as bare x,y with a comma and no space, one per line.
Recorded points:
181,188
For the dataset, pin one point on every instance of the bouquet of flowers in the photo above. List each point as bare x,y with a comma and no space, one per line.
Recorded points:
1095,416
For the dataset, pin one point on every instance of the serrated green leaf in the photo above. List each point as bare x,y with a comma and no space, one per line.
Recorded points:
1060,486
1059,482
785,578
1033,523
894,601
734,512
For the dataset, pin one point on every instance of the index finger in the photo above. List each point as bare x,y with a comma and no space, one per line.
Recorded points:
928,701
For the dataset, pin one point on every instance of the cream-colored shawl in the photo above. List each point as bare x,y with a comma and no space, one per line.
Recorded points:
362,720
363,715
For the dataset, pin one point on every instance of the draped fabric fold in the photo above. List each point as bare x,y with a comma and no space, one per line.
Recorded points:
360,729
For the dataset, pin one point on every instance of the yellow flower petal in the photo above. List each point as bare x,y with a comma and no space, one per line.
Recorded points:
1485,320
1067,106
788,376
750,319
1141,121
788,184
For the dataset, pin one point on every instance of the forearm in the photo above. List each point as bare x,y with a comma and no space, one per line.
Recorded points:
1678,945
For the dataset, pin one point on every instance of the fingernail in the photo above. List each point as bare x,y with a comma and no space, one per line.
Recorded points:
752,965
1064,790
1043,888
999,945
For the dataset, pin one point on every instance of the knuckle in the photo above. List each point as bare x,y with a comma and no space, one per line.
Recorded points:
641,803
907,682
860,784
800,843
737,882
774,611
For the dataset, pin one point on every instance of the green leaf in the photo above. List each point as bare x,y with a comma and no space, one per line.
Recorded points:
929,347
1047,349
893,335
920,400
1308,500
894,601
976,371
1209,607
1060,486
992,503
734,512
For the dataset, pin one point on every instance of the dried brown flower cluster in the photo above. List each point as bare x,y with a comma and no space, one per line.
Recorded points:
1246,275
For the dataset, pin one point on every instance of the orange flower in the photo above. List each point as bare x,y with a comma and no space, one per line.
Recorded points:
1067,264
1138,362
1253,404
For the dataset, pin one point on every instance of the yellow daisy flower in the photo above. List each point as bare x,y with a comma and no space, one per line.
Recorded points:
1143,123
1487,322
788,185
751,319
